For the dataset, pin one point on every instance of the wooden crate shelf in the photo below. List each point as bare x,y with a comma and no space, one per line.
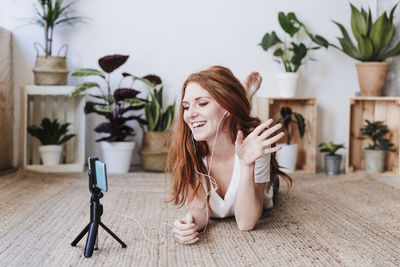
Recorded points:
266,108
385,109
38,102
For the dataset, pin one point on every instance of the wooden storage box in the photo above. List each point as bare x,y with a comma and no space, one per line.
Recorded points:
38,102
385,109
270,108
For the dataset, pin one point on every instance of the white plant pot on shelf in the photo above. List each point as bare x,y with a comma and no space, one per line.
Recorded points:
287,83
287,157
50,154
117,155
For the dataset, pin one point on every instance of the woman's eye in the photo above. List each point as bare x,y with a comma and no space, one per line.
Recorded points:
203,104
185,107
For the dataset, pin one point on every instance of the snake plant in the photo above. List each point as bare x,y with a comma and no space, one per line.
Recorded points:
373,38
158,120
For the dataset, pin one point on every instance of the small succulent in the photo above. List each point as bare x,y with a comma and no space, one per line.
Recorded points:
330,147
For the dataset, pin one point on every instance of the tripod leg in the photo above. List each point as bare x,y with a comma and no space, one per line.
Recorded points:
96,245
91,239
113,235
79,237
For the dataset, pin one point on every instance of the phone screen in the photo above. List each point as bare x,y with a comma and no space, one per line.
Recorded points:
101,175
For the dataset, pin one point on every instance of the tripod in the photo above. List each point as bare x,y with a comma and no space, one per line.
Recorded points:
96,210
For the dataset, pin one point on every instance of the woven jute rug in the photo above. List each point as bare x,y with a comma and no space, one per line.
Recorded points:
323,221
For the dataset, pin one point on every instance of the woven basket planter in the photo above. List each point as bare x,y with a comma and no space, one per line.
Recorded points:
50,70
155,150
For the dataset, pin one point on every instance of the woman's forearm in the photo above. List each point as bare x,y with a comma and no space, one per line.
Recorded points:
248,207
200,217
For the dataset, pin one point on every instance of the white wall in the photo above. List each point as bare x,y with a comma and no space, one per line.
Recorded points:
175,38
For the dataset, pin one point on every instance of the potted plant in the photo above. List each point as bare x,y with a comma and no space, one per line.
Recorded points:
287,156
51,135
115,107
291,52
49,69
332,160
374,46
375,153
157,139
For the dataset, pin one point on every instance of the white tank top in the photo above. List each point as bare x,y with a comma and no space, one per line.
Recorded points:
221,208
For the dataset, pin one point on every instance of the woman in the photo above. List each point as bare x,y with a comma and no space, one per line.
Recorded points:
221,162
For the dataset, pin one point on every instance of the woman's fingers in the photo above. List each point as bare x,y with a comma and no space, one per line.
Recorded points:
272,149
258,130
273,139
185,239
270,131
182,225
184,232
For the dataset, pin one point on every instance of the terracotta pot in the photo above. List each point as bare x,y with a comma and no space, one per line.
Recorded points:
372,77
155,150
50,70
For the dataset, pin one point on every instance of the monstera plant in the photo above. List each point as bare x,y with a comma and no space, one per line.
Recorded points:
373,45
292,51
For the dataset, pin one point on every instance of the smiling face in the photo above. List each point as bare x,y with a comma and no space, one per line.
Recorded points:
201,112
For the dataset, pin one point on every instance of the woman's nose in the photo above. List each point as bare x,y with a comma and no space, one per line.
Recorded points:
193,112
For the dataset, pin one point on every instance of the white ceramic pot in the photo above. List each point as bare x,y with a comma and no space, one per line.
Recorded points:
50,154
287,157
287,83
117,155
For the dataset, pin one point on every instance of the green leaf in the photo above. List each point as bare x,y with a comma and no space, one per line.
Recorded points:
392,13
366,48
301,125
83,87
381,33
278,52
347,44
104,108
87,72
358,23
133,102
269,40
299,53
318,39
393,52
287,23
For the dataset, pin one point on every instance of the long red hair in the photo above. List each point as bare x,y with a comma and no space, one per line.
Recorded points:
183,157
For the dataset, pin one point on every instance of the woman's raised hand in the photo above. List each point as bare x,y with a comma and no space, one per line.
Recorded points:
185,230
257,143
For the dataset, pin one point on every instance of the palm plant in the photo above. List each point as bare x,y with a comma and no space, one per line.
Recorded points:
373,38
50,14
51,132
286,119
330,147
376,131
291,53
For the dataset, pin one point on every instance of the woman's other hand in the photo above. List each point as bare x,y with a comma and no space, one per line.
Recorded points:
258,142
252,83
185,230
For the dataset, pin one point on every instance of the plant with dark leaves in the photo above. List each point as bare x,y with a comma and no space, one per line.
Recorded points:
286,119
51,132
376,131
114,106
291,52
